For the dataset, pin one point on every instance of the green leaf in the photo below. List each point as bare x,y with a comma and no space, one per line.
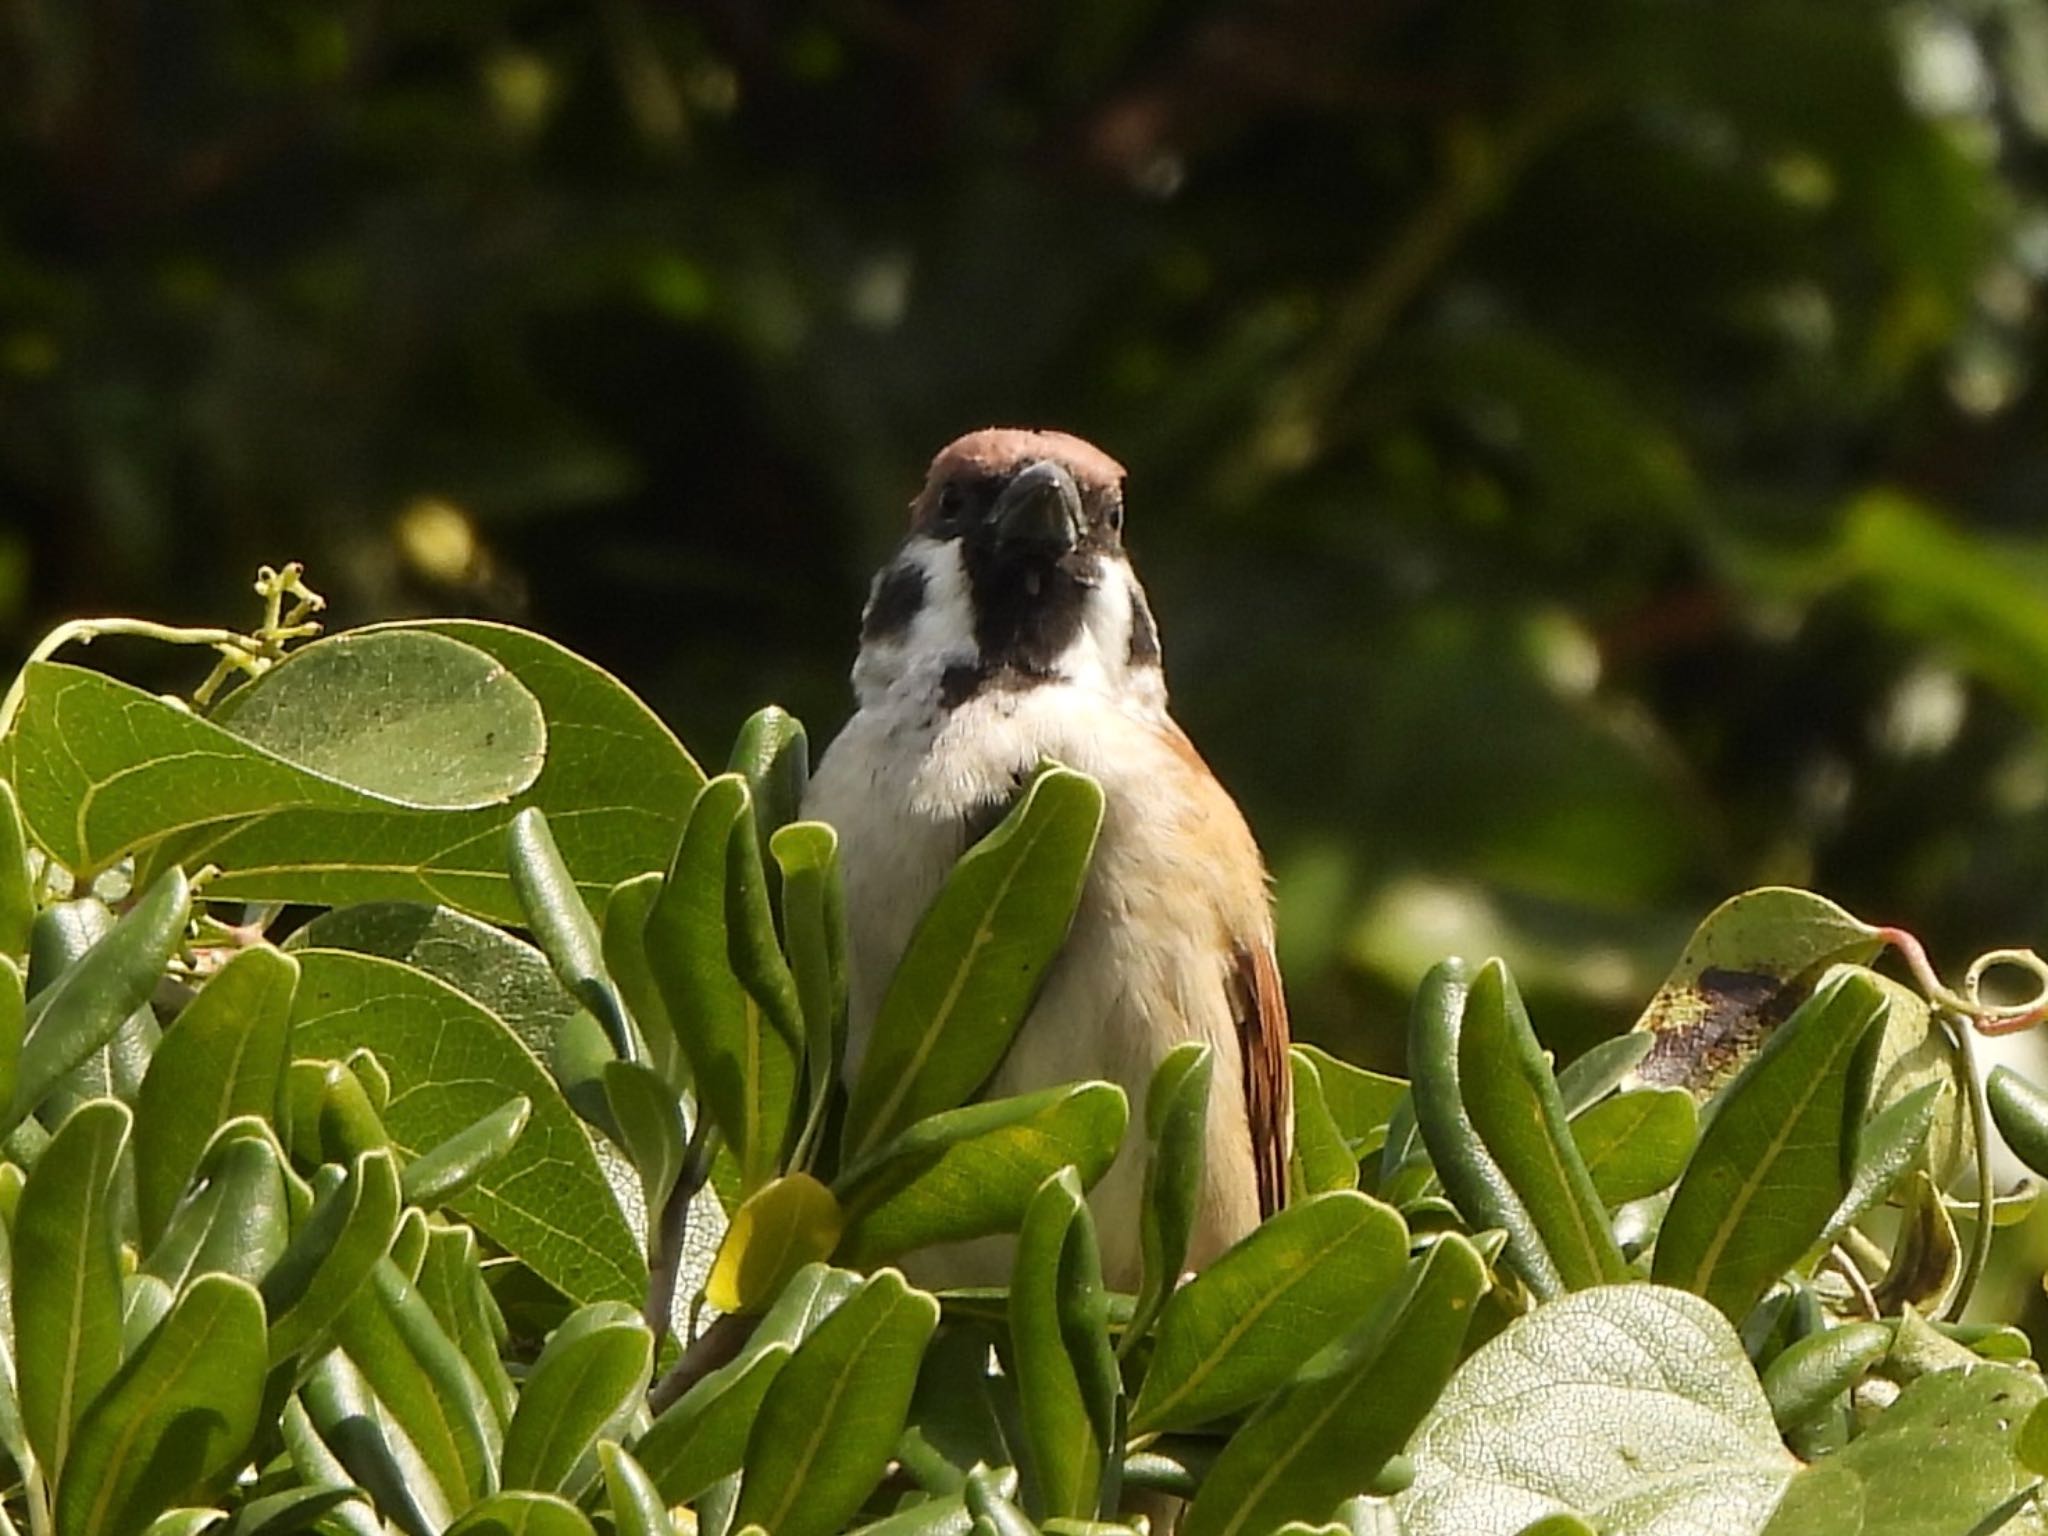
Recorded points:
451,1279
1889,1148
519,1512
1940,1461
352,1437
2020,1111
1649,1388
103,769
814,933
973,965
1361,1102
332,1255
648,1117
1322,1159
624,946
831,1417
970,1172
585,1383
783,1226
452,1062
702,934
1745,964
510,979
1241,1328
701,1439
405,715
1326,1436
1600,1069
292,1510
173,1424
1772,1165
1636,1143
636,1504
236,1223
1514,1106
67,1277
13,1024
93,997
443,1172
773,755
422,1383
702,1436
563,927
1807,1377
225,1057
615,786
17,889
1058,1333
1177,1126
1470,1174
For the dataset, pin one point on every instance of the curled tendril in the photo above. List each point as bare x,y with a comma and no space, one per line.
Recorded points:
1968,1002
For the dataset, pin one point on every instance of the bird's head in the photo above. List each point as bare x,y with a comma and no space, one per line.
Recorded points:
1013,575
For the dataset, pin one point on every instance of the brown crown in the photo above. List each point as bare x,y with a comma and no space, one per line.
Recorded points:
1005,450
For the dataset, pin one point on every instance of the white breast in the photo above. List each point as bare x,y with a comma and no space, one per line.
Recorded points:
1147,961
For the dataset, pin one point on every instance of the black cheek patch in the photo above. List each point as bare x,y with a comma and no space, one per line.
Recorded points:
898,598
1144,647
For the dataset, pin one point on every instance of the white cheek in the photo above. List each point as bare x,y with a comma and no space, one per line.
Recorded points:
941,635
944,627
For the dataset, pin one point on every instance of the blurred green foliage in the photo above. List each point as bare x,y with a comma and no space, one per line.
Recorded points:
1586,455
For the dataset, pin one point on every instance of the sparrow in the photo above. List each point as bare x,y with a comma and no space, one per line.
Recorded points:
1008,629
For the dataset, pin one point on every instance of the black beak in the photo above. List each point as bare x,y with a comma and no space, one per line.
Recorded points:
1039,511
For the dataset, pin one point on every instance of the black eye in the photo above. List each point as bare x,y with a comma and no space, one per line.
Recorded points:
951,503
1115,517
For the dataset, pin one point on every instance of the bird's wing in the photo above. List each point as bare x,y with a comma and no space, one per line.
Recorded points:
1262,1046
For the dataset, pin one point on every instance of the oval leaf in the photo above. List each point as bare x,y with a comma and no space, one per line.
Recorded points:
173,1424
67,1277
1637,1143
971,1172
779,1229
615,784
1327,1436
581,1388
224,1057
1772,1164
832,1415
404,715
1241,1328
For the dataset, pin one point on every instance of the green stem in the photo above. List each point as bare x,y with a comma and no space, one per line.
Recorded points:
1980,1143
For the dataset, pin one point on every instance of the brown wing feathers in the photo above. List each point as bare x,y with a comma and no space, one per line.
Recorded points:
1262,1044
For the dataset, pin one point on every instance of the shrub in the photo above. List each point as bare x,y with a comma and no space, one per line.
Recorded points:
447,1134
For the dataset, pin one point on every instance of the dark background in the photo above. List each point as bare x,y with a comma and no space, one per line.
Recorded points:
1587,456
